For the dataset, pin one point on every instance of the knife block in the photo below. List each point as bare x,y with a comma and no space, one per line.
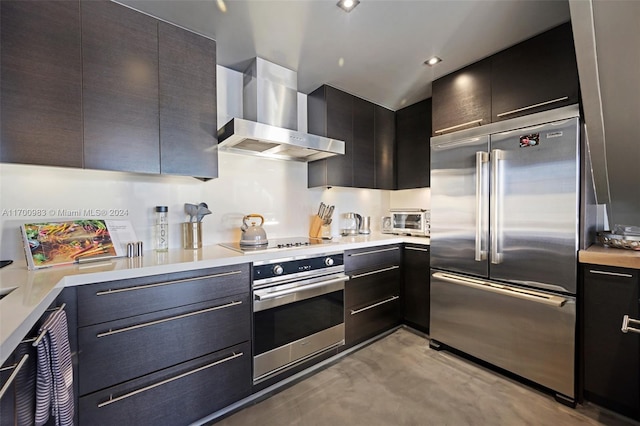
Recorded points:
315,230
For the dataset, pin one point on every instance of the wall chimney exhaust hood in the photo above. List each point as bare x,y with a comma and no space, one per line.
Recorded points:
269,126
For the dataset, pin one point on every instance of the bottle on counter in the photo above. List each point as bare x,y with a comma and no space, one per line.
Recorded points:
162,228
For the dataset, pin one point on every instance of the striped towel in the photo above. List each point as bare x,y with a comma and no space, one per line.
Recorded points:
54,378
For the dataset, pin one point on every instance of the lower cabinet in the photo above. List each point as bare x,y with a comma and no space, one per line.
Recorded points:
164,350
611,356
178,395
372,294
416,285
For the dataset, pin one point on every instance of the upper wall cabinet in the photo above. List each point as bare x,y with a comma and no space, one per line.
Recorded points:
368,132
188,134
413,132
120,88
385,148
535,75
330,114
462,99
99,85
41,74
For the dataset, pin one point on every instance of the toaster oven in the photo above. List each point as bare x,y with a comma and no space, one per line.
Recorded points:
411,222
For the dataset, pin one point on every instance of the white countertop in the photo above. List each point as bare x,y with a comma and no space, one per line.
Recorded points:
34,291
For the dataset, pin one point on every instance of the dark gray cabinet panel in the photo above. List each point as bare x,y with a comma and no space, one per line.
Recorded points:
363,143
611,368
413,134
368,131
372,295
371,257
462,99
330,114
187,80
181,394
174,334
40,87
416,286
112,300
535,75
120,88
385,148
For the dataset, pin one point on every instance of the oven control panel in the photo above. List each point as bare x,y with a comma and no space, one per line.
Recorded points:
295,266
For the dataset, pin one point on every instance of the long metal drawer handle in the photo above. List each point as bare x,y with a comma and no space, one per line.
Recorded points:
374,251
614,274
13,375
459,125
482,158
552,101
625,324
518,293
416,249
111,400
366,308
142,287
16,369
150,323
377,271
292,290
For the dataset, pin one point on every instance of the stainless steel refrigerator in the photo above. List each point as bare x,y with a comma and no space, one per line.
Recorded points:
504,242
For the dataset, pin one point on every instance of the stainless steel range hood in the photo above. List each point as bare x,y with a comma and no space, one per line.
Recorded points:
269,126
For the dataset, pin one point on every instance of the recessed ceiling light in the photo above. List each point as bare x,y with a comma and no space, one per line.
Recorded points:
348,5
432,61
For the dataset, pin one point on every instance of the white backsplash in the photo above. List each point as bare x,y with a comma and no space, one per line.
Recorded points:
410,199
273,188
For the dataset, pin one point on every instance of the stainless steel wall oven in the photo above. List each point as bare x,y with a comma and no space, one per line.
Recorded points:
298,305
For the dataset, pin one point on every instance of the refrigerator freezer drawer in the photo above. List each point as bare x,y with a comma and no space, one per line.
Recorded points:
529,333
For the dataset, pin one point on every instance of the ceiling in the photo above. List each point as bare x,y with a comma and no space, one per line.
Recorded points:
375,52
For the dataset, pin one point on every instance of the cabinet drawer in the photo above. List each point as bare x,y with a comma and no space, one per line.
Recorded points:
367,321
116,351
371,257
178,395
126,298
363,288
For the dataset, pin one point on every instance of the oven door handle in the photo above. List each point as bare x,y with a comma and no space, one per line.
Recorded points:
293,290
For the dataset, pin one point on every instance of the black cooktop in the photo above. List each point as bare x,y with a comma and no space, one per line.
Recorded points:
277,244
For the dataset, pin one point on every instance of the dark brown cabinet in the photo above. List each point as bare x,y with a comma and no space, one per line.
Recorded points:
372,294
416,287
41,74
187,80
385,148
329,112
368,132
164,349
363,143
535,75
98,85
120,88
413,134
462,99
611,367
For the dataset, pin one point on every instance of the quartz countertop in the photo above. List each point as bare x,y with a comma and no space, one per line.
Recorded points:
606,256
31,292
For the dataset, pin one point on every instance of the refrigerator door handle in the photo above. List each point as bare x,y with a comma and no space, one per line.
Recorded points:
496,232
519,293
482,158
